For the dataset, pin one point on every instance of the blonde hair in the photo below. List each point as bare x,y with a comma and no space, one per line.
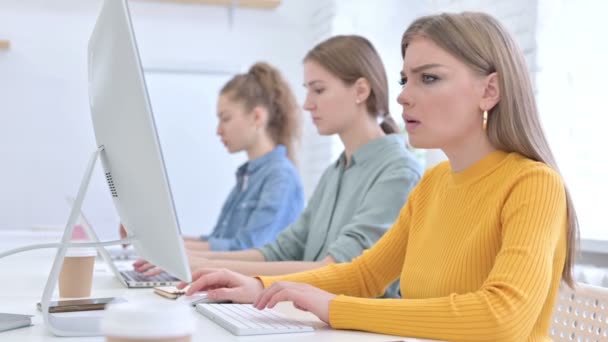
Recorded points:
350,58
263,85
483,44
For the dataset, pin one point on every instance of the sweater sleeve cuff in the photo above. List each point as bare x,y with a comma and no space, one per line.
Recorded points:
337,306
267,281
345,312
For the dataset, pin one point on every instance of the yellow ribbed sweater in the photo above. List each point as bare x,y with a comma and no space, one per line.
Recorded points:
479,254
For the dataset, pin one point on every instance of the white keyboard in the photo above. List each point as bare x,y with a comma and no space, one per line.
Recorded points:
244,319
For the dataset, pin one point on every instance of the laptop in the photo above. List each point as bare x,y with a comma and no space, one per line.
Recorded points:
121,266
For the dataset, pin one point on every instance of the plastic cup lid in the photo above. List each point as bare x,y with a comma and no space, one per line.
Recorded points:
147,319
81,252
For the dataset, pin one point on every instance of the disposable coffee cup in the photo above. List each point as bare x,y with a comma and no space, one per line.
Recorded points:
157,321
76,276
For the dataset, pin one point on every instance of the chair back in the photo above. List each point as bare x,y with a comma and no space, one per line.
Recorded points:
581,314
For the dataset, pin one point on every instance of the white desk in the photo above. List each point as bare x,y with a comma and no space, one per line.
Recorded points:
29,271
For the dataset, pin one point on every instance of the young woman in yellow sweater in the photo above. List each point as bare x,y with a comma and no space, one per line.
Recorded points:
485,239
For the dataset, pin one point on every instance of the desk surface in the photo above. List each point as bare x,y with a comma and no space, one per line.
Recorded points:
29,271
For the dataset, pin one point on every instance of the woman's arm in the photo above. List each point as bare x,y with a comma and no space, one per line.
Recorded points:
245,255
375,273
194,244
253,268
198,259
367,275
509,302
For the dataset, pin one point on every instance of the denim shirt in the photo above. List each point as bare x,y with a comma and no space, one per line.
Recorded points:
268,196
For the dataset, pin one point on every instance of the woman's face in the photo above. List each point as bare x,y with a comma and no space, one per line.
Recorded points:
236,128
441,97
329,100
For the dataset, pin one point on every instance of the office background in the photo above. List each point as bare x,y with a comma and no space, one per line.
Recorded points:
189,50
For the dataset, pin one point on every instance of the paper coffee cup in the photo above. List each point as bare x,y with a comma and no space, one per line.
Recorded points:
158,321
76,276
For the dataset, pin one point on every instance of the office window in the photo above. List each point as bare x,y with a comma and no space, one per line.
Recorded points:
571,86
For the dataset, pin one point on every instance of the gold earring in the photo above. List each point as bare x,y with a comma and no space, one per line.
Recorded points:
485,120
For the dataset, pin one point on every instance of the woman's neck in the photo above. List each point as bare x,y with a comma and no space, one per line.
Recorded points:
360,134
264,144
468,152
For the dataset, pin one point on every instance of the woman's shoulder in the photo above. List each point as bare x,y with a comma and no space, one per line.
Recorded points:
515,165
521,167
283,169
441,169
396,153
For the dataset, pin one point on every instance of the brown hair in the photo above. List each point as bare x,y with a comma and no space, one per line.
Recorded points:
350,58
263,85
482,43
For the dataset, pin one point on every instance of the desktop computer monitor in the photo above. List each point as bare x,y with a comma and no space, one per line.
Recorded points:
132,157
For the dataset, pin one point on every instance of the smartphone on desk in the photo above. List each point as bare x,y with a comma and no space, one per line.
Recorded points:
87,304
170,292
173,292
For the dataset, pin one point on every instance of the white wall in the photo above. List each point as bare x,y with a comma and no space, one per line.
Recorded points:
45,129
572,51
45,134
316,151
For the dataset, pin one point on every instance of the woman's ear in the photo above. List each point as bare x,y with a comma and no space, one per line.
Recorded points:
260,116
362,90
491,92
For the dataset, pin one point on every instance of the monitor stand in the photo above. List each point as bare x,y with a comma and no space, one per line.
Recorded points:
88,324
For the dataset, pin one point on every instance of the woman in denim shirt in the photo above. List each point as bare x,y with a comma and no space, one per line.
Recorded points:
360,194
258,114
